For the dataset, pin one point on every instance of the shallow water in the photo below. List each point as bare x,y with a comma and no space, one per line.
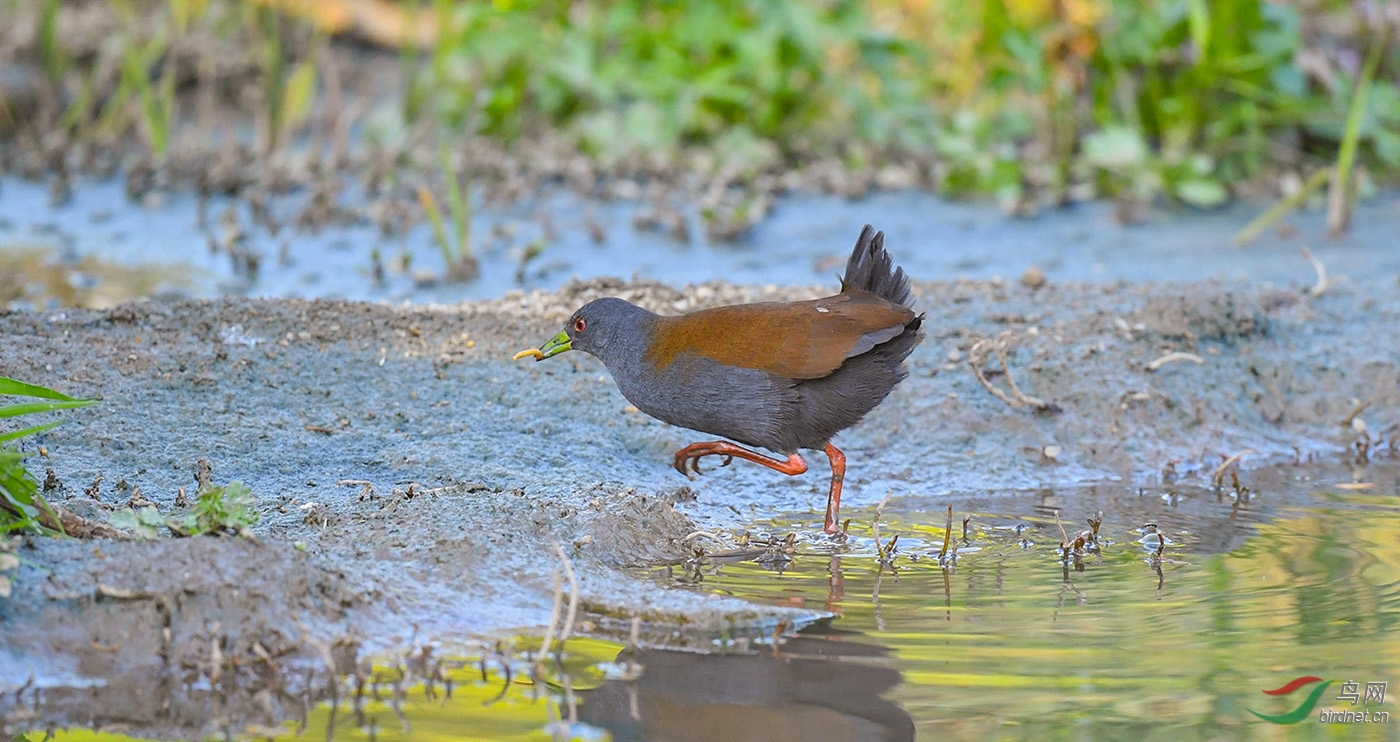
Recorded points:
1295,573
803,241
1297,578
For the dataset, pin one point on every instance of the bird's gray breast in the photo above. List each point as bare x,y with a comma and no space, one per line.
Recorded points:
742,404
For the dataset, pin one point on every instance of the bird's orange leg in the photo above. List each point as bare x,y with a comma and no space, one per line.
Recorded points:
838,475
690,457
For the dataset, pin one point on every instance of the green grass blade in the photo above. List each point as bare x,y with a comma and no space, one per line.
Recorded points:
55,62
275,70
430,208
25,433
459,205
164,108
1198,14
1346,154
21,389
22,507
29,408
409,55
136,74
1262,222
1339,197
75,114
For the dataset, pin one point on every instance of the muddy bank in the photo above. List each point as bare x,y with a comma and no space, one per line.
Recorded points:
412,480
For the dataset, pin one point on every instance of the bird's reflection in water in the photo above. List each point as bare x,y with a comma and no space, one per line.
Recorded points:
818,686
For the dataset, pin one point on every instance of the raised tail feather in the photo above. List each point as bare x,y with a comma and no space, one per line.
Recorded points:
872,269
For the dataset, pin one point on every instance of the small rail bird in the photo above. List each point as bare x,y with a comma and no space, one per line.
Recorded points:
784,376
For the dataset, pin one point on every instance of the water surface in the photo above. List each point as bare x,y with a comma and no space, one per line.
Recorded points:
1295,572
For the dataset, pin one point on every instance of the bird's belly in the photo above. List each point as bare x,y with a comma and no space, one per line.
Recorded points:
744,405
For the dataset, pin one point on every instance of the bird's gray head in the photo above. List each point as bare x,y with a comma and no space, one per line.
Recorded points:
608,328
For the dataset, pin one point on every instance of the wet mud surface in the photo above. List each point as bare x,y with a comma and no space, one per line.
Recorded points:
412,480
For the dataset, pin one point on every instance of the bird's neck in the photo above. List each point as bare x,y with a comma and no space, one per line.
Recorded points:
626,356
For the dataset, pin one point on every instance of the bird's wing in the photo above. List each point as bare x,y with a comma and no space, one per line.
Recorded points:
794,340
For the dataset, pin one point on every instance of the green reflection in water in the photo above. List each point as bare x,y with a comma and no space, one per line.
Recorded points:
476,711
36,276
1012,644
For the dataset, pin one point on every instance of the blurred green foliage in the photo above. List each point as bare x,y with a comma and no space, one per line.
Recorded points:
1008,97
1179,96
631,76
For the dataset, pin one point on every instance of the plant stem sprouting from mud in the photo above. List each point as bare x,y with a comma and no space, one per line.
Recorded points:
886,550
1339,197
947,537
459,206
434,214
1217,477
633,669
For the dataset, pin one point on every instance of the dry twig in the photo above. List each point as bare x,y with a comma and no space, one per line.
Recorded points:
573,594
977,356
553,624
1357,410
885,550
1323,282
1173,357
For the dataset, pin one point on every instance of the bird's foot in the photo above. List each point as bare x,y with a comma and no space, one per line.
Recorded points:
688,458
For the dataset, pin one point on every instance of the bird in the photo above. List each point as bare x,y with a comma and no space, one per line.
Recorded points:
782,376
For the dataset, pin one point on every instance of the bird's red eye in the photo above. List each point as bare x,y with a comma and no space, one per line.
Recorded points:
579,324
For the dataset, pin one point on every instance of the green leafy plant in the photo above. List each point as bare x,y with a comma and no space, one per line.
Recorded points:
22,508
216,510
228,508
144,523
640,76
